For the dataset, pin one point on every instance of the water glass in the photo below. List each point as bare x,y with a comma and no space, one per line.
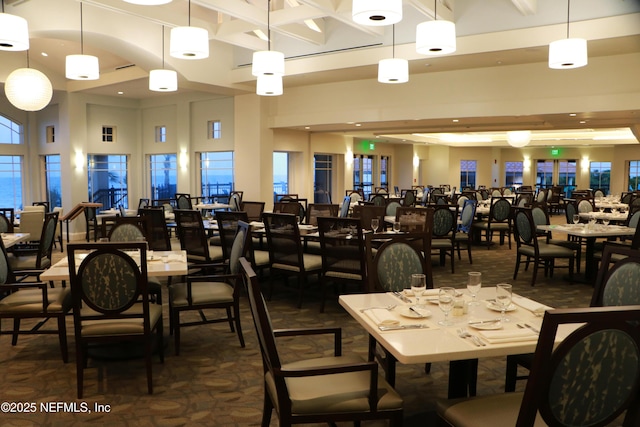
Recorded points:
605,221
375,224
396,226
446,300
474,284
576,218
504,294
418,285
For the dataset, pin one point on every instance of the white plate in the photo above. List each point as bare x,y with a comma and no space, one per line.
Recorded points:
406,312
495,307
486,326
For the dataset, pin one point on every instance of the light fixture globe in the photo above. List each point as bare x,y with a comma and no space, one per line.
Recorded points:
568,53
148,2
28,89
436,37
82,67
376,12
519,138
269,85
267,63
189,43
14,33
163,80
393,70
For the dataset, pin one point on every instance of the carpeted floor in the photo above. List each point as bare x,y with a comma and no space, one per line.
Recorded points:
214,382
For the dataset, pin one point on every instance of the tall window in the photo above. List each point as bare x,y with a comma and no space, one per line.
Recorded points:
10,131
634,175
467,173
163,171
53,185
11,181
544,173
600,176
323,167
513,173
567,175
384,171
363,173
216,174
280,173
108,180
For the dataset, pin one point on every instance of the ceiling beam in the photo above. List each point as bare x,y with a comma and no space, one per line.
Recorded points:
526,7
340,10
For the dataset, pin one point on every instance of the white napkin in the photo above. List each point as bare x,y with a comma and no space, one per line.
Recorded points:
534,307
509,335
382,317
175,257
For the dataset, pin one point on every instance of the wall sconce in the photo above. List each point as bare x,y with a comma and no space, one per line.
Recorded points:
526,163
79,160
348,157
584,163
184,160
416,161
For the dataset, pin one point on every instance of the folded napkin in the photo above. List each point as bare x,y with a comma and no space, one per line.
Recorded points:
509,335
534,307
431,292
382,317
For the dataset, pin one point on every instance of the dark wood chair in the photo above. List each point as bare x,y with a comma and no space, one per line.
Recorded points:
464,231
193,238
443,242
183,201
38,255
6,225
368,212
499,221
158,237
254,210
91,223
316,210
228,227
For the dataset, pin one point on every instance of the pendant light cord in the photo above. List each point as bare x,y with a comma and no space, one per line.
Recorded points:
163,47
435,10
81,32
269,24
189,13
568,9
2,6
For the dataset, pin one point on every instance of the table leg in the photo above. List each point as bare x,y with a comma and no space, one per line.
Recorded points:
463,377
388,361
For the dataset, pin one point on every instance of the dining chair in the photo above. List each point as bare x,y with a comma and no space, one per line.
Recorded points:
254,210
408,197
554,199
368,212
193,238
344,207
32,222
286,253
343,254
235,201
540,216
259,258
316,210
9,213
23,299
111,302
158,237
6,226
183,201
464,232
143,203
291,207
413,220
379,199
37,256
327,389
599,193
392,206
540,253
45,205
208,289
590,379
499,221
585,204
443,241
228,227
91,223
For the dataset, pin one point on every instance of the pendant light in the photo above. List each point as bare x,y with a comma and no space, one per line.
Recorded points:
28,89
269,85
268,62
163,80
519,138
189,42
393,70
14,32
376,12
82,67
569,52
437,37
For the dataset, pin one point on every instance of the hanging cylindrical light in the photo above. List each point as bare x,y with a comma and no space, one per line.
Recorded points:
569,52
376,12
163,80
519,138
82,67
28,89
437,37
393,70
269,85
148,2
14,32
189,42
268,62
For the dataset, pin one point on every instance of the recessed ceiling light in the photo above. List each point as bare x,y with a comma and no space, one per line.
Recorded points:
307,127
358,124
573,114
455,120
120,92
44,54
583,121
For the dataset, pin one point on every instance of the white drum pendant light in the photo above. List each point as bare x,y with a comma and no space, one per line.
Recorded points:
28,89
82,67
268,62
14,32
163,80
269,85
519,138
393,70
376,12
569,52
189,42
437,37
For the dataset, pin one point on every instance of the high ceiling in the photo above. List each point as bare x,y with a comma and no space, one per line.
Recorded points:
128,40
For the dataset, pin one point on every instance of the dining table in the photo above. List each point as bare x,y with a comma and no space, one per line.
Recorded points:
410,333
11,239
616,217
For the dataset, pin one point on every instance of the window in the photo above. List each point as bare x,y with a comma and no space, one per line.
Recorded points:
600,176
53,178
513,174
163,175
384,171
567,175
363,173
544,173
323,168
108,180
216,174
215,129
467,173
51,134
10,131
11,181
161,134
280,173
634,175
108,134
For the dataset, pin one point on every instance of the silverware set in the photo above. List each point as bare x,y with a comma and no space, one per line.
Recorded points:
464,334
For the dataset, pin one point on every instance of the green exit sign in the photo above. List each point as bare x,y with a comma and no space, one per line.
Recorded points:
367,145
555,152
372,146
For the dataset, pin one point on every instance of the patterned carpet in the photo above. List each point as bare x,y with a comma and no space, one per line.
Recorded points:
214,382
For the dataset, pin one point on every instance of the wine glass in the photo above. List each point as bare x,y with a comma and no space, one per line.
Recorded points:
418,286
396,226
576,218
474,283
375,224
504,294
605,221
446,299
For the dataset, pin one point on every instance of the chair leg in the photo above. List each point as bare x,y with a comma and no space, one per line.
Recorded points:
267,409
176,332
236,311
62,337
535,272
16,331
80,365
147,361
515,272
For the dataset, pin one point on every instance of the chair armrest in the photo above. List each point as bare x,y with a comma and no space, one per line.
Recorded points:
21,275
337,335
29,285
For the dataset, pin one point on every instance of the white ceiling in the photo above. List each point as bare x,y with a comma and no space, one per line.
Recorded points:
127,39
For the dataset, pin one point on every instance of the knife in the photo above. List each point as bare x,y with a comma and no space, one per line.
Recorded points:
534,329
399,327
402,297
483,322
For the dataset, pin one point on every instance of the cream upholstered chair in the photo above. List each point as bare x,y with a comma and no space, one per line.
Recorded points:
328,389
31,221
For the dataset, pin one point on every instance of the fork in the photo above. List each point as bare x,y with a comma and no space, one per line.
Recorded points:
463,333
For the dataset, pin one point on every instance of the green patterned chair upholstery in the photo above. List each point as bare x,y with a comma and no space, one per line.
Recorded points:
591,379
464,233
111,302
445,223
330,389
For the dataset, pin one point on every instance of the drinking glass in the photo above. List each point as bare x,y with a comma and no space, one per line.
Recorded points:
605,221
418,286
576,218
375,224
504,293
446,299
474,283
396,227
